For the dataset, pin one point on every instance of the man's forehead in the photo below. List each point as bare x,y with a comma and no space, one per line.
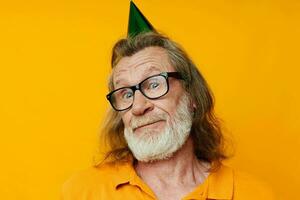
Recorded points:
145,61
149,54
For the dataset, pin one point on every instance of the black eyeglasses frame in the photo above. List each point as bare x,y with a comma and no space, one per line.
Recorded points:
166,75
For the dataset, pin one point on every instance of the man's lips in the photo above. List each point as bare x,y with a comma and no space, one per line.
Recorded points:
148,124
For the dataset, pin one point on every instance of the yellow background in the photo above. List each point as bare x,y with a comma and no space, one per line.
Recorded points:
55,62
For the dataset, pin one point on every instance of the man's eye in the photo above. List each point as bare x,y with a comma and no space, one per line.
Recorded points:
153,85
126,95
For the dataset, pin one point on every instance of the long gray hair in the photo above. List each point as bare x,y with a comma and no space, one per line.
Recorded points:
206,131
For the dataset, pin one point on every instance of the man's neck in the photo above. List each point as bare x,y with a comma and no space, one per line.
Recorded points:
183,168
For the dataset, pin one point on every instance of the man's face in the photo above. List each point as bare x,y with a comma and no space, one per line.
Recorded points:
149,117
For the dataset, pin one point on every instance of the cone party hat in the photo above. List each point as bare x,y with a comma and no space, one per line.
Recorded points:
137,22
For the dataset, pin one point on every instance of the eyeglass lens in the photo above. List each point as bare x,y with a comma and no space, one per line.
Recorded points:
153,87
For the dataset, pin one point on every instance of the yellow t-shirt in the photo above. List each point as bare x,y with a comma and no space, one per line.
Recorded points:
120,181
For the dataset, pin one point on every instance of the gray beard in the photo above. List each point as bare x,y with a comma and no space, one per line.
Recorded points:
152,145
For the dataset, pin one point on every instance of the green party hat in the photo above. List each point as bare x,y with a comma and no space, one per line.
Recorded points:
137,22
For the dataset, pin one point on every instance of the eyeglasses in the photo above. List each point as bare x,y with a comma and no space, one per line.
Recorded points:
152,87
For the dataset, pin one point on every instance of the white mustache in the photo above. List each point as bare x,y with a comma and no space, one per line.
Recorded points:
137,122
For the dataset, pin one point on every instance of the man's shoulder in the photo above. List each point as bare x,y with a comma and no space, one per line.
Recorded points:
90,174
93,179
247,186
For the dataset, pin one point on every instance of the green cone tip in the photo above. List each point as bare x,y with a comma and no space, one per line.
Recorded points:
137,22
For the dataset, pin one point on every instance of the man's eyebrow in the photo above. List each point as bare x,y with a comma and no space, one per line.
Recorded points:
153,68
119,80
118,74
147,72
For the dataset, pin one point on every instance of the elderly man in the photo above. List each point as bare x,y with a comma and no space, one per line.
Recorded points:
165,142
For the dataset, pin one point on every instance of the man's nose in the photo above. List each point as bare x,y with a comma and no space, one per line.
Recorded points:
141,105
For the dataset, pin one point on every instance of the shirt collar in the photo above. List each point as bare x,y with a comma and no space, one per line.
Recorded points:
125,173
220,183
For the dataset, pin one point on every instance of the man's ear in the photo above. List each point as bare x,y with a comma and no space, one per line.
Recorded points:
193,105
